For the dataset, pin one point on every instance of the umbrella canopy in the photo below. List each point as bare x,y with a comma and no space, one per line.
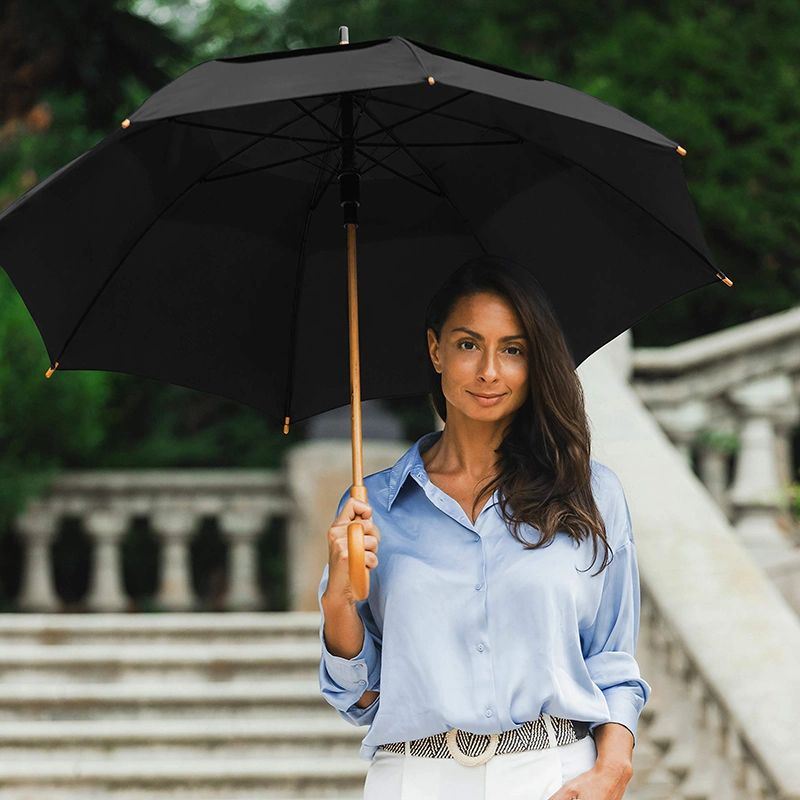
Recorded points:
201,243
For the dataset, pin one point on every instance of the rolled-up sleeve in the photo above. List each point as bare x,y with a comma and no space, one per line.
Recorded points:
610,645
341,680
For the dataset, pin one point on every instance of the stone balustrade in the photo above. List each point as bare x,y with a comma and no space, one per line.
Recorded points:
174,503
718,643
730,403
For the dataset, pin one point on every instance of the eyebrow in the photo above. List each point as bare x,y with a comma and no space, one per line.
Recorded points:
502,339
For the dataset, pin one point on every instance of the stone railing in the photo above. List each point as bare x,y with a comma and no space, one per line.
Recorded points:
174,502
730,402
718,643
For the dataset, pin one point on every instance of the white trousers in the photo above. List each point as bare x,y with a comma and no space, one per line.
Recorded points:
525,775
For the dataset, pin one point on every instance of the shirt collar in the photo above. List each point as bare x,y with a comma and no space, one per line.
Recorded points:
410,461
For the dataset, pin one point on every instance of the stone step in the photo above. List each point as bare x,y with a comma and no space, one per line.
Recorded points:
289,777
177,739
144,661
245,627
162,700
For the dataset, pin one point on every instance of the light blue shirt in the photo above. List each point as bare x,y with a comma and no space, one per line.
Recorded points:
464,628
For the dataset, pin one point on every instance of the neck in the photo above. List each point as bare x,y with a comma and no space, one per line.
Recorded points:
466,447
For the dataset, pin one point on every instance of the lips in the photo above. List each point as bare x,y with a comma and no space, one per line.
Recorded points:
486,396
491,400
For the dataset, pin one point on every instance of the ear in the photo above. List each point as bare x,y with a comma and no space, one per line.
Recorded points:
433,350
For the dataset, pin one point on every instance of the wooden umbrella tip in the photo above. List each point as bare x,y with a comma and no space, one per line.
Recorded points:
431,81
681,150
51,370
725,279
286,425
126,123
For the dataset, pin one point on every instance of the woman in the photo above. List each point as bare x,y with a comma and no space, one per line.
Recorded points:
489,660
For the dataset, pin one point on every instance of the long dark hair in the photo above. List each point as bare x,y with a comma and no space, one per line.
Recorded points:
545,471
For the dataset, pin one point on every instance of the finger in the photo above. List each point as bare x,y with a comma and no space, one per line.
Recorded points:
354,507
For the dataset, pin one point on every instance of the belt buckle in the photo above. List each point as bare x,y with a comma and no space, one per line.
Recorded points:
464,758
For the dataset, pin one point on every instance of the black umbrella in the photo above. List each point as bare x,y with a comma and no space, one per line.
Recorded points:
200,243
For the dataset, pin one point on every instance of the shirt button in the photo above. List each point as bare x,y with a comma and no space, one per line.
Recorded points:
477,538
488,712
478,587
363,683
480,648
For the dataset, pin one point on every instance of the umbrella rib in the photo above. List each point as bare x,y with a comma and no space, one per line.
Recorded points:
400,174
317,119
322,164
376,161
270,166
432,178
360,110
435,111
315,200
266,136
149,227
260,134
446,144
561,157
421,113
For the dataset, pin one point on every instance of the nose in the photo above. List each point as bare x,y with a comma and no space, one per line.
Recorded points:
488,366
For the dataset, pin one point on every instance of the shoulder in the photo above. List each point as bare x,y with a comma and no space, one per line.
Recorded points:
612,504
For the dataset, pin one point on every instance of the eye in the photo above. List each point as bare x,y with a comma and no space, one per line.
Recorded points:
466,341
514,347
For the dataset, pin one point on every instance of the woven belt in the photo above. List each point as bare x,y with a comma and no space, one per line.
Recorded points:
472,749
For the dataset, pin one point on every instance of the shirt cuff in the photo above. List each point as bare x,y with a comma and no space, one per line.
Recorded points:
352,674
624,706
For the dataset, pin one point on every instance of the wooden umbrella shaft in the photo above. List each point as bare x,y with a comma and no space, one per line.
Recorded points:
355,361
359,577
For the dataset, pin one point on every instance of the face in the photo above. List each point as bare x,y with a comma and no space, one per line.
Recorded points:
482,357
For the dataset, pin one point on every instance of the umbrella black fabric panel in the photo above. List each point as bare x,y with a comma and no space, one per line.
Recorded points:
223,267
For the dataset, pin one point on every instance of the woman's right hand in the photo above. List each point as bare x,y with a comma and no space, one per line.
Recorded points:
339,588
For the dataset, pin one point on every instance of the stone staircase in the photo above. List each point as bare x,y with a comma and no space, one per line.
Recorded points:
170,705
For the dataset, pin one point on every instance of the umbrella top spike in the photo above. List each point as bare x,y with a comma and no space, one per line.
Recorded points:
344,35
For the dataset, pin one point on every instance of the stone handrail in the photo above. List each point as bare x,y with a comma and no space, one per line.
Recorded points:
730,402
718,642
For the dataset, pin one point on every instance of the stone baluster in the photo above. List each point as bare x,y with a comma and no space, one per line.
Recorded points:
757,496
713,455
240,525
713,468
107,528
175,524
682,422
38,528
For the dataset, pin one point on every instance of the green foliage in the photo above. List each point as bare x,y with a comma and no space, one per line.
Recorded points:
44,424
724,441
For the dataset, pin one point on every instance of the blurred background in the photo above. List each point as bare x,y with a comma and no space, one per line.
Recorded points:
722,78
717,370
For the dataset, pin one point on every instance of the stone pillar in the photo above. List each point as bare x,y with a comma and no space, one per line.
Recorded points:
240,525
714,449
682,422
713,468
37,528
175,525
757,495
106,589
319,471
